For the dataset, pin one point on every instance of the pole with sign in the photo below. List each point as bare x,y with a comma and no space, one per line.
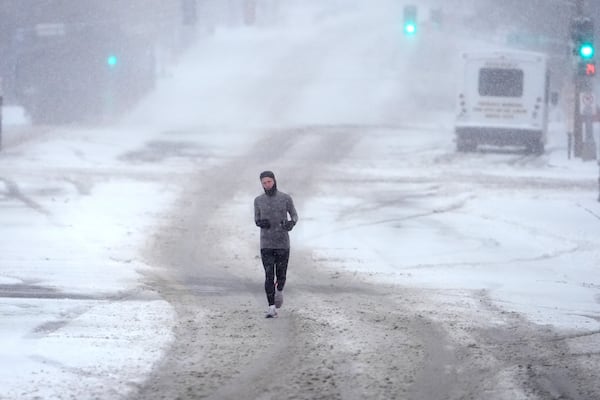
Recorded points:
587,107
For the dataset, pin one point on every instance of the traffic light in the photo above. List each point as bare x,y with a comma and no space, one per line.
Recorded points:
189,12
586,68
590,68
112,60
436,17
582,34
586,50
410,19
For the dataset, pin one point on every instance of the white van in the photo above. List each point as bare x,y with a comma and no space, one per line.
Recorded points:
503,100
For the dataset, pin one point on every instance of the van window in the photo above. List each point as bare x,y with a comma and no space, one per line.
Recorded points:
500,82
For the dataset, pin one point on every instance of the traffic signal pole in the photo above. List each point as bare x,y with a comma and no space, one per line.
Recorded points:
577,131
575,33
1,106
582,35
585,109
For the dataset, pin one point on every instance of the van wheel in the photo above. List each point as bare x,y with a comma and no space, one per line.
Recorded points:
536,148
463,145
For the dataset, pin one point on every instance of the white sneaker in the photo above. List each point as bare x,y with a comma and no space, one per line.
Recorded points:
271,312
278,298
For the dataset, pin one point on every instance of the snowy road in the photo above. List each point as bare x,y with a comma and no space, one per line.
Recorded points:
416,272
345,331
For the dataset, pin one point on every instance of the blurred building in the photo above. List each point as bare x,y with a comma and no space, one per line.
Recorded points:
72,60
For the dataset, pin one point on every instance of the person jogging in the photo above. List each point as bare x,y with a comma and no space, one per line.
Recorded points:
271,211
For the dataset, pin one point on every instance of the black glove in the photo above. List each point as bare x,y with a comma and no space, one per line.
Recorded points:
288,225
263,223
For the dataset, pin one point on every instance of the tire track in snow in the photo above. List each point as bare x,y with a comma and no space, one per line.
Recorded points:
14,192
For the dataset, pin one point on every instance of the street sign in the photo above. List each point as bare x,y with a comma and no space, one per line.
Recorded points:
587,103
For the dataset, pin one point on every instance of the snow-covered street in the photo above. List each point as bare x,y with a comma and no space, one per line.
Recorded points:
129,260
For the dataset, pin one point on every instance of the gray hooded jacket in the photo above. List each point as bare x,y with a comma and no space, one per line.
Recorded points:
274,208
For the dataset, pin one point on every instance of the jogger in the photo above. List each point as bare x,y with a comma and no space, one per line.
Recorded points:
271,211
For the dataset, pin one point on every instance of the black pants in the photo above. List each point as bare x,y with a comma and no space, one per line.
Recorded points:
275,262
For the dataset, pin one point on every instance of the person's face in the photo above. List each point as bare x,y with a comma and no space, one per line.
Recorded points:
267,183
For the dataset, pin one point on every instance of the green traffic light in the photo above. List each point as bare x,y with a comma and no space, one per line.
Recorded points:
410,28
112,60
586,50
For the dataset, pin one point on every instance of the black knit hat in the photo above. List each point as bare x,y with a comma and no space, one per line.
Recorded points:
267,174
